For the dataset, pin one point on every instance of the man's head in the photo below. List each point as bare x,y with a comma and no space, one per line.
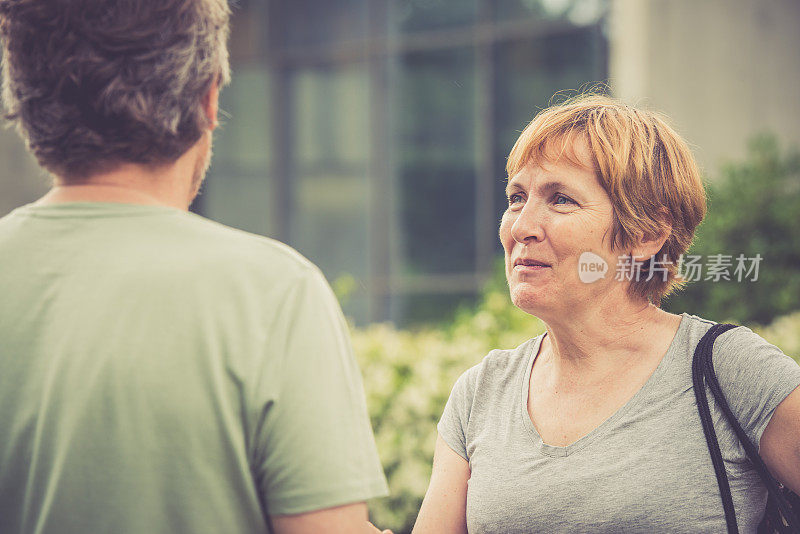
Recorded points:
93,84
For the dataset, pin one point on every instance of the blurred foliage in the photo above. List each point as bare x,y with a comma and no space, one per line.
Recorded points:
754,208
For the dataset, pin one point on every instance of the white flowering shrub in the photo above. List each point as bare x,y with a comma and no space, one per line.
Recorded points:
408,376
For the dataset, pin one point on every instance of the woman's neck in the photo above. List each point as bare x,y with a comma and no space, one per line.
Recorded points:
592,345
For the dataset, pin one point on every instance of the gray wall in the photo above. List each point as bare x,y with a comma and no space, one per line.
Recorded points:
723,70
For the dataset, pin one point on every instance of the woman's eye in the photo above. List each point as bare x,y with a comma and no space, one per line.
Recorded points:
514,199
559,197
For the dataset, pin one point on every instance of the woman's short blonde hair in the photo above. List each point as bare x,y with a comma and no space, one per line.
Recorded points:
645,167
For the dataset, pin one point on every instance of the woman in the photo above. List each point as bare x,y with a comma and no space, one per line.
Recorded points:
593,426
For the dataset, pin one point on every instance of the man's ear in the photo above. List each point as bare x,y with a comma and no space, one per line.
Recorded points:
649,245
211,104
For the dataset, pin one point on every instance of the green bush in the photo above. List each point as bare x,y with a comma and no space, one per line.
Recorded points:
408,376
754,208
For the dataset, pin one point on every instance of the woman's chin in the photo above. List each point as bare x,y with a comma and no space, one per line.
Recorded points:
530,302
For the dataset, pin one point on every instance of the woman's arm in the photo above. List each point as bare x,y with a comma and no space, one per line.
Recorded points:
780,442
444,509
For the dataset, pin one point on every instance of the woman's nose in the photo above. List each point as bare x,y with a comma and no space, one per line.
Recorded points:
528,224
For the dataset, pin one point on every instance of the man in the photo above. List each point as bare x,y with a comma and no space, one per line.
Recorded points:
159,372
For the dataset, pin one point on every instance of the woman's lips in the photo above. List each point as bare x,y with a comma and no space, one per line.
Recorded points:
523,266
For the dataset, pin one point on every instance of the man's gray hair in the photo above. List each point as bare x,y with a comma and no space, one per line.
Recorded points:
91,84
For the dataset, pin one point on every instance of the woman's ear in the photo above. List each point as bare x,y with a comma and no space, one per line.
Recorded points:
649,245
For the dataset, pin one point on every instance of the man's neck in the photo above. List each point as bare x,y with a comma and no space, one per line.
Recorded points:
103,192
174,184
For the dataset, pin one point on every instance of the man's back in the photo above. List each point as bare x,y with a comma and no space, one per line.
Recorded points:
163,373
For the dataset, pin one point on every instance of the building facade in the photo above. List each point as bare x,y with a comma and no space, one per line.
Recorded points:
723,70
371,135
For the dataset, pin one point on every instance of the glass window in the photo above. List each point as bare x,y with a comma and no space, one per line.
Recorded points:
422,15
312,23
528,74
329,215
238,191
395,102
437,160
575,11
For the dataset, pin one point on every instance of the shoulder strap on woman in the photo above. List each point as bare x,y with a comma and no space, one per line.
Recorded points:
703,369
700,356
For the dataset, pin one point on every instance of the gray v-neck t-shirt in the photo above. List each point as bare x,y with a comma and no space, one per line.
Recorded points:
645,469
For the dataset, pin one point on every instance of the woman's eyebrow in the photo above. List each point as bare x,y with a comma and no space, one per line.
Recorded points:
552,186
544,189
510,186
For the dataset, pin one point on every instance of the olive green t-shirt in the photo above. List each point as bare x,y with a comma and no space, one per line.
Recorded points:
162,373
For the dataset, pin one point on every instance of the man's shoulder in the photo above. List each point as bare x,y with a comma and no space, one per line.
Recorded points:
233,244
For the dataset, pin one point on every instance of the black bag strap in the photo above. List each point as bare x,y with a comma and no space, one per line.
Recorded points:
703,348
703,368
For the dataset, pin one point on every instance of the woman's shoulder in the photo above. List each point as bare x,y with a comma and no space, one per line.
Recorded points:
492,383
743,357
738,343
501,365
754,375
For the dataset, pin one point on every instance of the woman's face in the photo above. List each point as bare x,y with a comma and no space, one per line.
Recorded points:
556,213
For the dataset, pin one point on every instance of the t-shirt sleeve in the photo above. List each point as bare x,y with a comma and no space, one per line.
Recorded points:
755,377
455,418
315,447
